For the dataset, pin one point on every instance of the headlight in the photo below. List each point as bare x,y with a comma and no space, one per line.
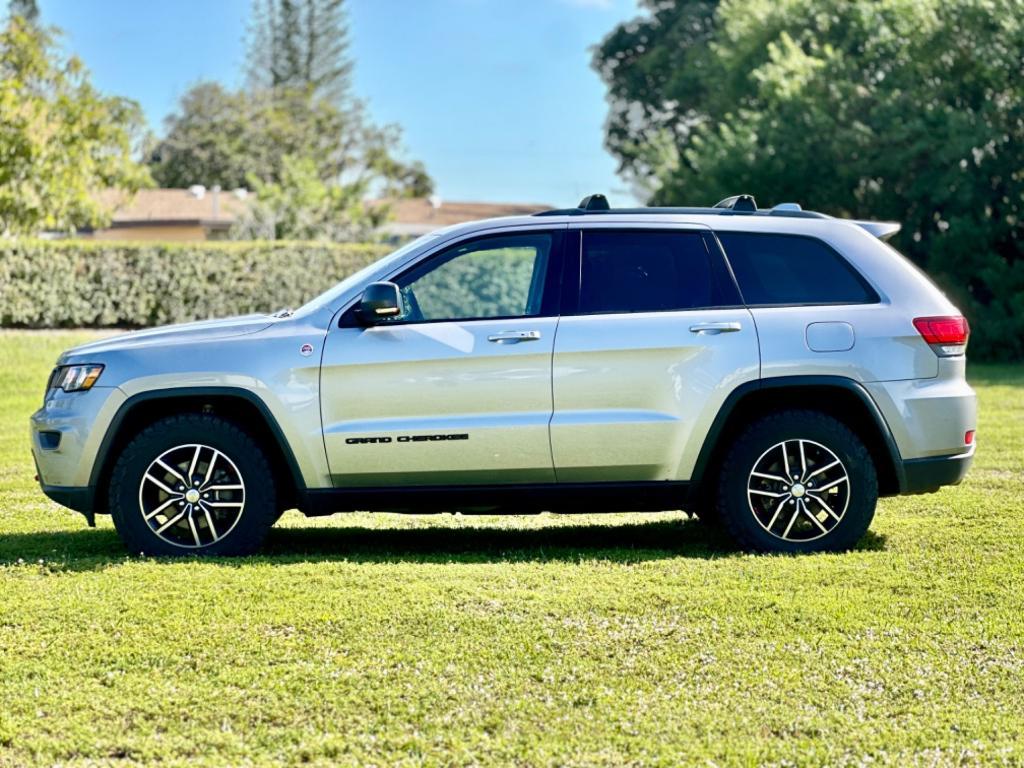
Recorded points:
76,378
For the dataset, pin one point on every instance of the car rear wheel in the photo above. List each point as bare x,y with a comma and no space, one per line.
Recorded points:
797,481
192,484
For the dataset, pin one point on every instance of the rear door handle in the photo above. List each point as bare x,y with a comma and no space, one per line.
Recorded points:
514,337
713,329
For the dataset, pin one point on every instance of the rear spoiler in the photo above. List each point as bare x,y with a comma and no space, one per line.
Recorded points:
883,230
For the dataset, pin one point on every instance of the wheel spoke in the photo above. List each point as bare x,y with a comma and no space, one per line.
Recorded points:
778,510
834,483
159,484
209,467
785,459
824,506
223,488
172,470
161,508
225,503
776,478
814,520
209,520
796,514
826,468
769,494
192,466
192,525
170,522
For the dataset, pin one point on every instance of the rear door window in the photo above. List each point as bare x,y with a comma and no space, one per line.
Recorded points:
650,271
789,269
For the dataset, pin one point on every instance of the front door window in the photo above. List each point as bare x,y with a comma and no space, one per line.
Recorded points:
490,278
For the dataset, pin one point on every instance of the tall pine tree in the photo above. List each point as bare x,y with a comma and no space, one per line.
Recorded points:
300,45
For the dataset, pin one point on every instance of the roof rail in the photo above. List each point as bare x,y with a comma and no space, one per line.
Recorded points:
737,205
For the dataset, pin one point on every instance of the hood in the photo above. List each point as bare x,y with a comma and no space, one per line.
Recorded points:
203,330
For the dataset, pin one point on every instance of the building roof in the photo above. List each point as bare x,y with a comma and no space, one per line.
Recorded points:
194,206
169,207
419,215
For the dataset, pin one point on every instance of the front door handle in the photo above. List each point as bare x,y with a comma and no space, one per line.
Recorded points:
513,337
713,329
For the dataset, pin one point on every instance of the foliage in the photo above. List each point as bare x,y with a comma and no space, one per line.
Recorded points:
302,207
907,111
227,137
547,640
61,141
144,284
26,9
300,45
296,116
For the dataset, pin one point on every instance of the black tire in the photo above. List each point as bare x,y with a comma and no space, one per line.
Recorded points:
247,522
801,519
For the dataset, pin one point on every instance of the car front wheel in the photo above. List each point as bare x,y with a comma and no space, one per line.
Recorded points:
797,481
192,484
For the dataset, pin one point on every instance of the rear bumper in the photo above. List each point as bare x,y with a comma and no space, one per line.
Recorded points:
929,474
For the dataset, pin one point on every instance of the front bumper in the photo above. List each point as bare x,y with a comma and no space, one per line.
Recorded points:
78,499
929,474
66,434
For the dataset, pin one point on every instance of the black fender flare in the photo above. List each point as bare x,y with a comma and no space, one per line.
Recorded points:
173,393
744,390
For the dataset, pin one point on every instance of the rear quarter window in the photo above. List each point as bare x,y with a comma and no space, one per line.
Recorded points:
791,269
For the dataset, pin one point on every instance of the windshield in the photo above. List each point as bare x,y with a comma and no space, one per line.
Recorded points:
330,296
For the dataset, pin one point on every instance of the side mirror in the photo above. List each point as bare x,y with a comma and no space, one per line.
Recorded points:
380,301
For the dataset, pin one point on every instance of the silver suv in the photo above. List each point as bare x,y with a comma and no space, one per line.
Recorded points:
775,371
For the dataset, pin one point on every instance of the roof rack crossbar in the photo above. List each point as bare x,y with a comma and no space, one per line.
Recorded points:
736,205
594,203
743,203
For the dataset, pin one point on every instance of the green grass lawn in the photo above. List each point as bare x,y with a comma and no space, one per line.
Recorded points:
448,640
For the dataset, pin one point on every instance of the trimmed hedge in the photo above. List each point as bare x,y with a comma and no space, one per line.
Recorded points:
76,283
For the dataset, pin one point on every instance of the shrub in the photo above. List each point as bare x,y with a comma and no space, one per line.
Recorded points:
64,284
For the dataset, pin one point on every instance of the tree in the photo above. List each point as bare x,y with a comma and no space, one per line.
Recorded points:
300,45
60,140
208,141
302,207
25,9
874,109
295,116
227,138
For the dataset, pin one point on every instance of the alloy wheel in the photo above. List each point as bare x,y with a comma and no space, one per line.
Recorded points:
192,496
798,490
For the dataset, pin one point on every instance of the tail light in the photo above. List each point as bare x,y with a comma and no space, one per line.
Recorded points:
947,335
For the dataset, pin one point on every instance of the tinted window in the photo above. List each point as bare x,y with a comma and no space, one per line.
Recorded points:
491,277
648,272
786,269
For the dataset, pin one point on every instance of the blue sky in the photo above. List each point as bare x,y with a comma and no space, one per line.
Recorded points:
497,98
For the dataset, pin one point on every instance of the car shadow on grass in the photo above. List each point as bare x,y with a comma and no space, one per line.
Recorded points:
91,549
